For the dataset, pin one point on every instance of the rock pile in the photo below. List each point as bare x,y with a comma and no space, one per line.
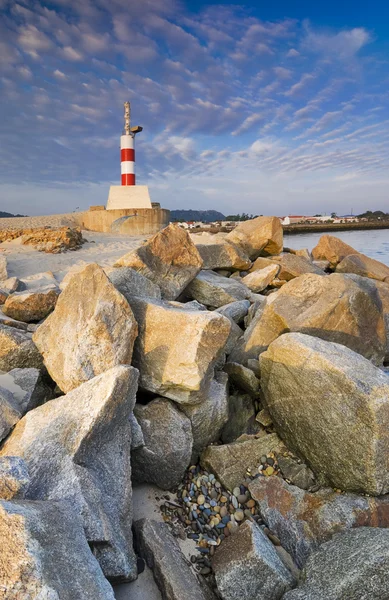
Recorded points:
47,239
246,379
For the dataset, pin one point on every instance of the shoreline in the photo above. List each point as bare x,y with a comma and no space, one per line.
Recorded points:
301,228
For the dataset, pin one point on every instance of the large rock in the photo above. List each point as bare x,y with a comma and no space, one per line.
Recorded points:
243,378
31,306
130,283
332,249
334,410
4,320
91,330
3,268
171,570
177,348
223,256
261,263
170,259
258,280
214,290
235,311
17,350
292,266
241,419
262,235
44,554
334,307
77,448
247,566
20,391
303,520
9,413
209,417
14,478
231,461
353,565
27,387
168,439
364,266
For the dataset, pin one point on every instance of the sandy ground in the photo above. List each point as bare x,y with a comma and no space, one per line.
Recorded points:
102,248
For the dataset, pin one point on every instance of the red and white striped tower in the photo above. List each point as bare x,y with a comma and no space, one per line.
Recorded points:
127,148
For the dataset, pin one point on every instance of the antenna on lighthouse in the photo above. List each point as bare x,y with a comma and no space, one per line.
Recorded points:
127,147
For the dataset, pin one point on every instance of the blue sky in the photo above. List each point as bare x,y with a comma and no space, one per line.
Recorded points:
279,109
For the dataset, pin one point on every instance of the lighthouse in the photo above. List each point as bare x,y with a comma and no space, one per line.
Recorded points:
128,194
127,148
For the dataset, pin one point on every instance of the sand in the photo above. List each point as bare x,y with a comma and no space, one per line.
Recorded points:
102,248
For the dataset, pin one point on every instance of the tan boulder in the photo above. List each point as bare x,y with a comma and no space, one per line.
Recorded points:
262,235
31,306
261,262
230,462
258,280
17,350
3,268
364,266
292,266
335,308
332,249
215,291
304,252
331,407
169,259
177,348
91,330
223,256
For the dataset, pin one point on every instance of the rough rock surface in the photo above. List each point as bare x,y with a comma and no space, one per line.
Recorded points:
353,565
292,266
176,349
258,280
171,571
14,478
3,296
209,417
364,266
44,554
77,448
27,388
4,320
332,249
17,350
3,268
169,259
235,311
130,283
334,410
262,235
223,256
243,378
261,263
10,285
9,413
335,308
91,330
214,290
303,520
168,440
247,566
137,438
31,306
241,418
230,462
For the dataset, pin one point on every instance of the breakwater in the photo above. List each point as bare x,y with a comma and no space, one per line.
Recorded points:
324,227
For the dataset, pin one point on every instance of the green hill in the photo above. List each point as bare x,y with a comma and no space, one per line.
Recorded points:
206,216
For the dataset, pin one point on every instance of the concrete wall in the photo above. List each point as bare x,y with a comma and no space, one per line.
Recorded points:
128,196
140,221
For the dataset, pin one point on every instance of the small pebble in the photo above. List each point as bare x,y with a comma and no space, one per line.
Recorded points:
269,471
236,491
200,499
250,503
239,515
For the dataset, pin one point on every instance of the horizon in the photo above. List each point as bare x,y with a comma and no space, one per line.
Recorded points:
281,106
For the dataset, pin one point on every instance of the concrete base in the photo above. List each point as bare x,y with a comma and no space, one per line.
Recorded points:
135,221
128,196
